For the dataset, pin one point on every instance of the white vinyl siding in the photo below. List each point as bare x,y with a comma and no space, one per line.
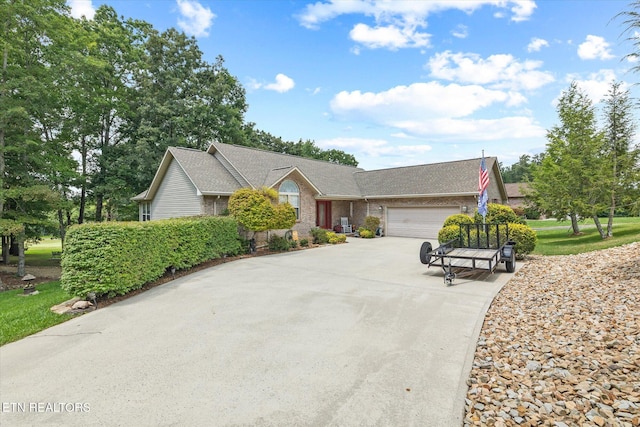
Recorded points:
420,222
176,195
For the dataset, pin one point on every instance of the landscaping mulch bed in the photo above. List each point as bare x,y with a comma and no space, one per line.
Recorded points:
560,345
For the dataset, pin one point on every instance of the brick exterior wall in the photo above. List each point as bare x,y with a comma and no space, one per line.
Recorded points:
212,205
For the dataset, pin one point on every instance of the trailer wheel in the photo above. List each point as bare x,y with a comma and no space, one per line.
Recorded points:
511,264
425,252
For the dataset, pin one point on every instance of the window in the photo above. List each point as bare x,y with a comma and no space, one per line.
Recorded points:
146,211
289,192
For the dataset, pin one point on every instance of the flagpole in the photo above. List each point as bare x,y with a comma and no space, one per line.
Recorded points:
484,213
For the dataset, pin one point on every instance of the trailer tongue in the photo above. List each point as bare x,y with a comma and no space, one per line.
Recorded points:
477,247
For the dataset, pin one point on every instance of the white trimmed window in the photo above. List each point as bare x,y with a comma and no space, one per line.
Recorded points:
146,211
289,192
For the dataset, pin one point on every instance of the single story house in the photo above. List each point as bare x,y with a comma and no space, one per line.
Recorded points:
515,193
410,201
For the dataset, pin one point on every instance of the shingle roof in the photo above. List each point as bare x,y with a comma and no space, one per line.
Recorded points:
261,167
433,179
225,168
205,171
514,189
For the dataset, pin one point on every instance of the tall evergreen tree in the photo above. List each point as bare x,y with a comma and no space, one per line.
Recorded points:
620,151
569,181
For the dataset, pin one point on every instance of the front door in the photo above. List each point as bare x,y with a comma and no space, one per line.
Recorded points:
323,214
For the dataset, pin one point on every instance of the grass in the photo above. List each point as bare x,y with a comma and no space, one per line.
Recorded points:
554,241
23,316
39,254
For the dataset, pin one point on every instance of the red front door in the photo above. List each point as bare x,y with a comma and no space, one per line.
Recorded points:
323,214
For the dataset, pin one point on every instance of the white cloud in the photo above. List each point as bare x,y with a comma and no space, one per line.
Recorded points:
522,10
374,147
80,8
196,19
595,85
504,128
461,32
594,47
499,71
417,101
282,84
396,21
431,110
536,44
390,37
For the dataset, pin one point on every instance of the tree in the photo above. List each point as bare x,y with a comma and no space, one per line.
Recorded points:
569,181
522,171
620,151
34,36
631,23
259,210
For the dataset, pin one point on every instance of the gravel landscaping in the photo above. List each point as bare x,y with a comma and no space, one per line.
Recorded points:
560,345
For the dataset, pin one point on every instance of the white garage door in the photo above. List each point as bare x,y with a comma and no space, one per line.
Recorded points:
417,222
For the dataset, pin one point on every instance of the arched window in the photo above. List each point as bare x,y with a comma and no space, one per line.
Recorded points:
289,192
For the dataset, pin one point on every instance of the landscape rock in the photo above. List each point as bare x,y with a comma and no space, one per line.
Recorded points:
81,305
563,339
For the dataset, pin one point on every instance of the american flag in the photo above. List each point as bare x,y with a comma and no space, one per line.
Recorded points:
483,184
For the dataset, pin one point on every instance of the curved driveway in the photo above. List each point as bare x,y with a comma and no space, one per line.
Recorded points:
354,334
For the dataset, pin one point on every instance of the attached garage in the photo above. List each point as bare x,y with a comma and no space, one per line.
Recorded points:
417,222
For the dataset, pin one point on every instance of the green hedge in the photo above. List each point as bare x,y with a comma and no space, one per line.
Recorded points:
114,258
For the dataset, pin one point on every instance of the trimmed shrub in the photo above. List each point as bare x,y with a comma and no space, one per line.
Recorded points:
319,236
117,257
457,219
365,233
449,233
304,243
500,214
525,238
334,238
279,243
372,223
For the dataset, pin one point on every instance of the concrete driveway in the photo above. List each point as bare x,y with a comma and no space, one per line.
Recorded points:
353,334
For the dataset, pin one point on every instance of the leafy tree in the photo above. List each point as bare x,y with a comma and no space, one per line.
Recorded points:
259,210
622,155
32,162
568,181
522,171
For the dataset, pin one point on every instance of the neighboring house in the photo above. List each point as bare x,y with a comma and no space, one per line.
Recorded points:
410,201
515,193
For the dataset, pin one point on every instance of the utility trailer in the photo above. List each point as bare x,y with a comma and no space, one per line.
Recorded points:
477,247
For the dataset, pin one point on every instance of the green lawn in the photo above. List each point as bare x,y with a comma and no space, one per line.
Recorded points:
39,254
552,241
21,316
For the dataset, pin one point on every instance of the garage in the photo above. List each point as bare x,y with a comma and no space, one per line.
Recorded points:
417,222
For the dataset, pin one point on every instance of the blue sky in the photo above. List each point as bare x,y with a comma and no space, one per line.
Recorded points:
399,83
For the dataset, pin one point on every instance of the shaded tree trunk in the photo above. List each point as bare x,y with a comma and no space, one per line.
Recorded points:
612,208
83,189
63,229
21,238
596,220
574,223
99,199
